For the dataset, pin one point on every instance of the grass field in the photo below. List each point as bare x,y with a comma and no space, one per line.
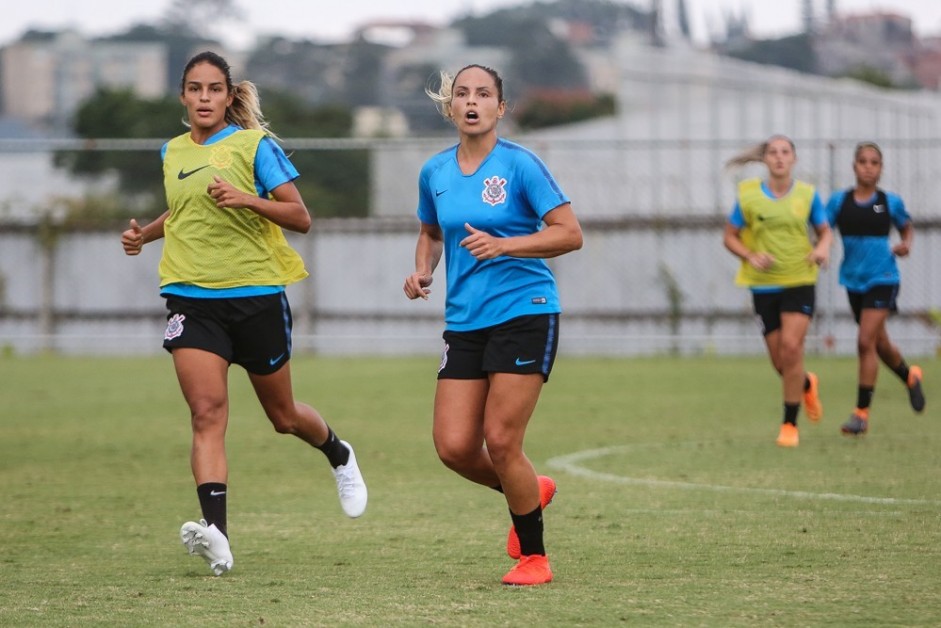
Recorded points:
675,507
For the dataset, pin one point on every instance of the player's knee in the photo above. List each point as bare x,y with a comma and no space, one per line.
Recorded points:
454,456
283,424
208,417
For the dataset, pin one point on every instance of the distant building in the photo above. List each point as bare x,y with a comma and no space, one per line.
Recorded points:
877,41
926,63
46,76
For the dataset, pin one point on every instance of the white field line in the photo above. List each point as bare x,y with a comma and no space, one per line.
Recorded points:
571,463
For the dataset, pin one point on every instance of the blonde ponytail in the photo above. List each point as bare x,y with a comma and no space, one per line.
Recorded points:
442,97
245,110
756,153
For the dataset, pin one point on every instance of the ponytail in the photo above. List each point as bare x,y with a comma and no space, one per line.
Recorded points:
245,110
756,153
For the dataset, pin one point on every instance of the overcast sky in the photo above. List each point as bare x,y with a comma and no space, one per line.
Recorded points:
332,20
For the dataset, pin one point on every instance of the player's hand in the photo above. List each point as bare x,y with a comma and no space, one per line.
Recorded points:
901,250
225,194
761,261
417,285
481,244
133,239
819,257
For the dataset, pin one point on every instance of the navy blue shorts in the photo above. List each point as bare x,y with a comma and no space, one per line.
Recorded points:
253,332
769,305
524,345
876,298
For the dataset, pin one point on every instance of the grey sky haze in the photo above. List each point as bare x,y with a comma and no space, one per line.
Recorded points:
333,21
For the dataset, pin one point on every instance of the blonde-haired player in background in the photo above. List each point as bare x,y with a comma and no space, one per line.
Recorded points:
767,230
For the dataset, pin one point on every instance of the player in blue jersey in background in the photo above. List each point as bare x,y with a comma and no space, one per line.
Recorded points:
768,231
494,210
865,215
223,271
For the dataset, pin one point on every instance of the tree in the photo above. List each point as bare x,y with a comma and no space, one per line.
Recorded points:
331,182
871,75
551,108
539,60
795,52
119,114
201,17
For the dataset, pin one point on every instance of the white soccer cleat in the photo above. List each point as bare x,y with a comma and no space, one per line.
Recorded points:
350,486
209,542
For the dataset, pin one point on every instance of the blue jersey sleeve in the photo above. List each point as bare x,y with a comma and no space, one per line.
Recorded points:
427,213
736,217
897,211
818,214
272,167
542,191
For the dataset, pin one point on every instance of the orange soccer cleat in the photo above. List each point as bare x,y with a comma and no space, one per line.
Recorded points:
788,436
547,490
529,570
812,404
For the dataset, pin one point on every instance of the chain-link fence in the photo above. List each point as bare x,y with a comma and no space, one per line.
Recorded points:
653,276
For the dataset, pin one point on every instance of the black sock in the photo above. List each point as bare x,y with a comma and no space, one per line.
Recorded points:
212,501
336,452
790,412
864,396
902,371
529,530
806,383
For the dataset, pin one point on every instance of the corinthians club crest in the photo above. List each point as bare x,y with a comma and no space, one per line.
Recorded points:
494,192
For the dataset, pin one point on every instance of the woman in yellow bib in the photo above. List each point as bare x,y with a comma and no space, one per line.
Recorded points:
768,231
225,264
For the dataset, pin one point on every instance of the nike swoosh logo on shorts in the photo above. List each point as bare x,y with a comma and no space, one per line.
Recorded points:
524,362
183,175
274,361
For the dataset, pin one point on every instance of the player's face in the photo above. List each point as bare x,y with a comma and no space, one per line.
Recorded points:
779,157
475,102
867,167
206,98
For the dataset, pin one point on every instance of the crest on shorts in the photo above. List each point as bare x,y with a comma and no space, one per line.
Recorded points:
174,327
494,190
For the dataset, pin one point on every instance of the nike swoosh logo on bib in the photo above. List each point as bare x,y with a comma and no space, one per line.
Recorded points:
183,175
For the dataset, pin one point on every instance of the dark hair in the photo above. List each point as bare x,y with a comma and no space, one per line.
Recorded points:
245,110
497,79
863,145
445,91
212,58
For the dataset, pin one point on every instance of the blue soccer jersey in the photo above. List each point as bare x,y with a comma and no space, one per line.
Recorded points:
507,196
864,229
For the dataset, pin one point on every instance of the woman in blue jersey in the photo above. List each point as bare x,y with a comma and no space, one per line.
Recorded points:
495,212
768,231
865,215
225,264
